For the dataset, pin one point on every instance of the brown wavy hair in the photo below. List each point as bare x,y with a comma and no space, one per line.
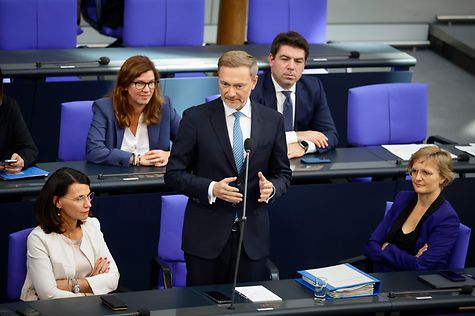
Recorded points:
132,68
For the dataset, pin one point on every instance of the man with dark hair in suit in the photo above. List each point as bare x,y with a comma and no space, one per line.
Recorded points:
207,163
301,99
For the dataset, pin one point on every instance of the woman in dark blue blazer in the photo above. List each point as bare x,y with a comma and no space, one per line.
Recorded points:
421,228
135,125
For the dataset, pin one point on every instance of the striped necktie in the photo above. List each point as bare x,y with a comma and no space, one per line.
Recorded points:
238,145
287,112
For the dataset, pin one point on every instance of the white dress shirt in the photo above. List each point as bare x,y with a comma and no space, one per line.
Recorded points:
138,143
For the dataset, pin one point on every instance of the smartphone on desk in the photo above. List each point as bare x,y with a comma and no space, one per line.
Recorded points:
218,297
113,302
314,160
452,275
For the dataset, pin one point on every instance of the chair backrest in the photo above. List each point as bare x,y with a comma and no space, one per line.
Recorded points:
16,262
76,118
38,24
308,17
212,97
460,248
391,113
169,245
174,22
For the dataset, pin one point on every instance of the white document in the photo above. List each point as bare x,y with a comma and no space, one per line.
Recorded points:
257,294
405,151
467,149
341,276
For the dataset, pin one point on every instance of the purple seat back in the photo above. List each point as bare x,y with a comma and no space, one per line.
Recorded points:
163,22
212,97
392,113
76,118
460,248
38,24
169,245
16,262
308,17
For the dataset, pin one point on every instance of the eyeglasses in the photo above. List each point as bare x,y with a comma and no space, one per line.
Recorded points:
82,198
140,85
424,173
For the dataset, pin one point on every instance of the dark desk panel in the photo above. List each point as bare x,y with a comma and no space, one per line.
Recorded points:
64,62
296,300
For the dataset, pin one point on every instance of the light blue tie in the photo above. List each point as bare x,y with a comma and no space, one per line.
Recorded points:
287,112
238,145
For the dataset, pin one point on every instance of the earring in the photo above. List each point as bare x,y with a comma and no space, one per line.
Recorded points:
59,212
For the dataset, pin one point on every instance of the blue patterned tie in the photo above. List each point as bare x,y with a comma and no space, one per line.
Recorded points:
287,112
238,145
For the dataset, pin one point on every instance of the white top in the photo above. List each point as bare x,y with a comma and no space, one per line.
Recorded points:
48,259
138,143
83,266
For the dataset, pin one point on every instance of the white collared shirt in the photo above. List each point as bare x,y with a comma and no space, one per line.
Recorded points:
291,136
138,143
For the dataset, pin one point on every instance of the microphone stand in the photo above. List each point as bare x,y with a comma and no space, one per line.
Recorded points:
242,224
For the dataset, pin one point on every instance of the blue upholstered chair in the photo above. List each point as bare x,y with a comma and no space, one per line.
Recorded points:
169,267
16,262
152,22
308,17
38,24
170,259
390,113
459,250
212,97
76,118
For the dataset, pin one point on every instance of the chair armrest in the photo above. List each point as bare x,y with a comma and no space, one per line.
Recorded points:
361,262
159,266
440,140
273,270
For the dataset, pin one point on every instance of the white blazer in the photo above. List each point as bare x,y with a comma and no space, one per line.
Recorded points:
49,259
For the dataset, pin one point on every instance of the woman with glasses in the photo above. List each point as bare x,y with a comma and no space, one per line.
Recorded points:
136,124
421,228
66,253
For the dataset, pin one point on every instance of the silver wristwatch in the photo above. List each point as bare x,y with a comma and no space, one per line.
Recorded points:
76,289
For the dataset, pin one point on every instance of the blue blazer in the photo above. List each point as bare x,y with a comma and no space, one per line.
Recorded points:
202,153
311,107
105,135
439,231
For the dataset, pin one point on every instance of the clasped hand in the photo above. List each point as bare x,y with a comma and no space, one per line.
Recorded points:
157,158
225,191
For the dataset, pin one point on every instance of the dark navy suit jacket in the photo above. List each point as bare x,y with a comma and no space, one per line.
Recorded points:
439,231
105,135
311,107
202,153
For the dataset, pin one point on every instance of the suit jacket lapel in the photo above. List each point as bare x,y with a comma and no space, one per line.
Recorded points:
269,91
153,135
218,122
257,121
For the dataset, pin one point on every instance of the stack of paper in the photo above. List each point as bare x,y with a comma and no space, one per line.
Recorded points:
343,280
257,294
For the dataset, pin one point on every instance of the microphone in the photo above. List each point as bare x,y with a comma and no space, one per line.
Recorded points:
465,289
463,157
104,60
247,148
354,54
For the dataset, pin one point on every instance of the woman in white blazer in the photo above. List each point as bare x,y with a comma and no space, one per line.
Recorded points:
66,253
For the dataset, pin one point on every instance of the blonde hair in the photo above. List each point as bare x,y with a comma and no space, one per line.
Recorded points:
238,58
440,157
132,68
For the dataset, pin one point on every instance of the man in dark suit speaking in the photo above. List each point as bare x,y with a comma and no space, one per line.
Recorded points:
207,164
301,99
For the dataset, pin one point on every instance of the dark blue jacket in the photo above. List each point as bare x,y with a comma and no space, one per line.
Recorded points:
439,231
105,135
311,107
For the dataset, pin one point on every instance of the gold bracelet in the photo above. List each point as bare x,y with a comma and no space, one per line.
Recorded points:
132,160
139,163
